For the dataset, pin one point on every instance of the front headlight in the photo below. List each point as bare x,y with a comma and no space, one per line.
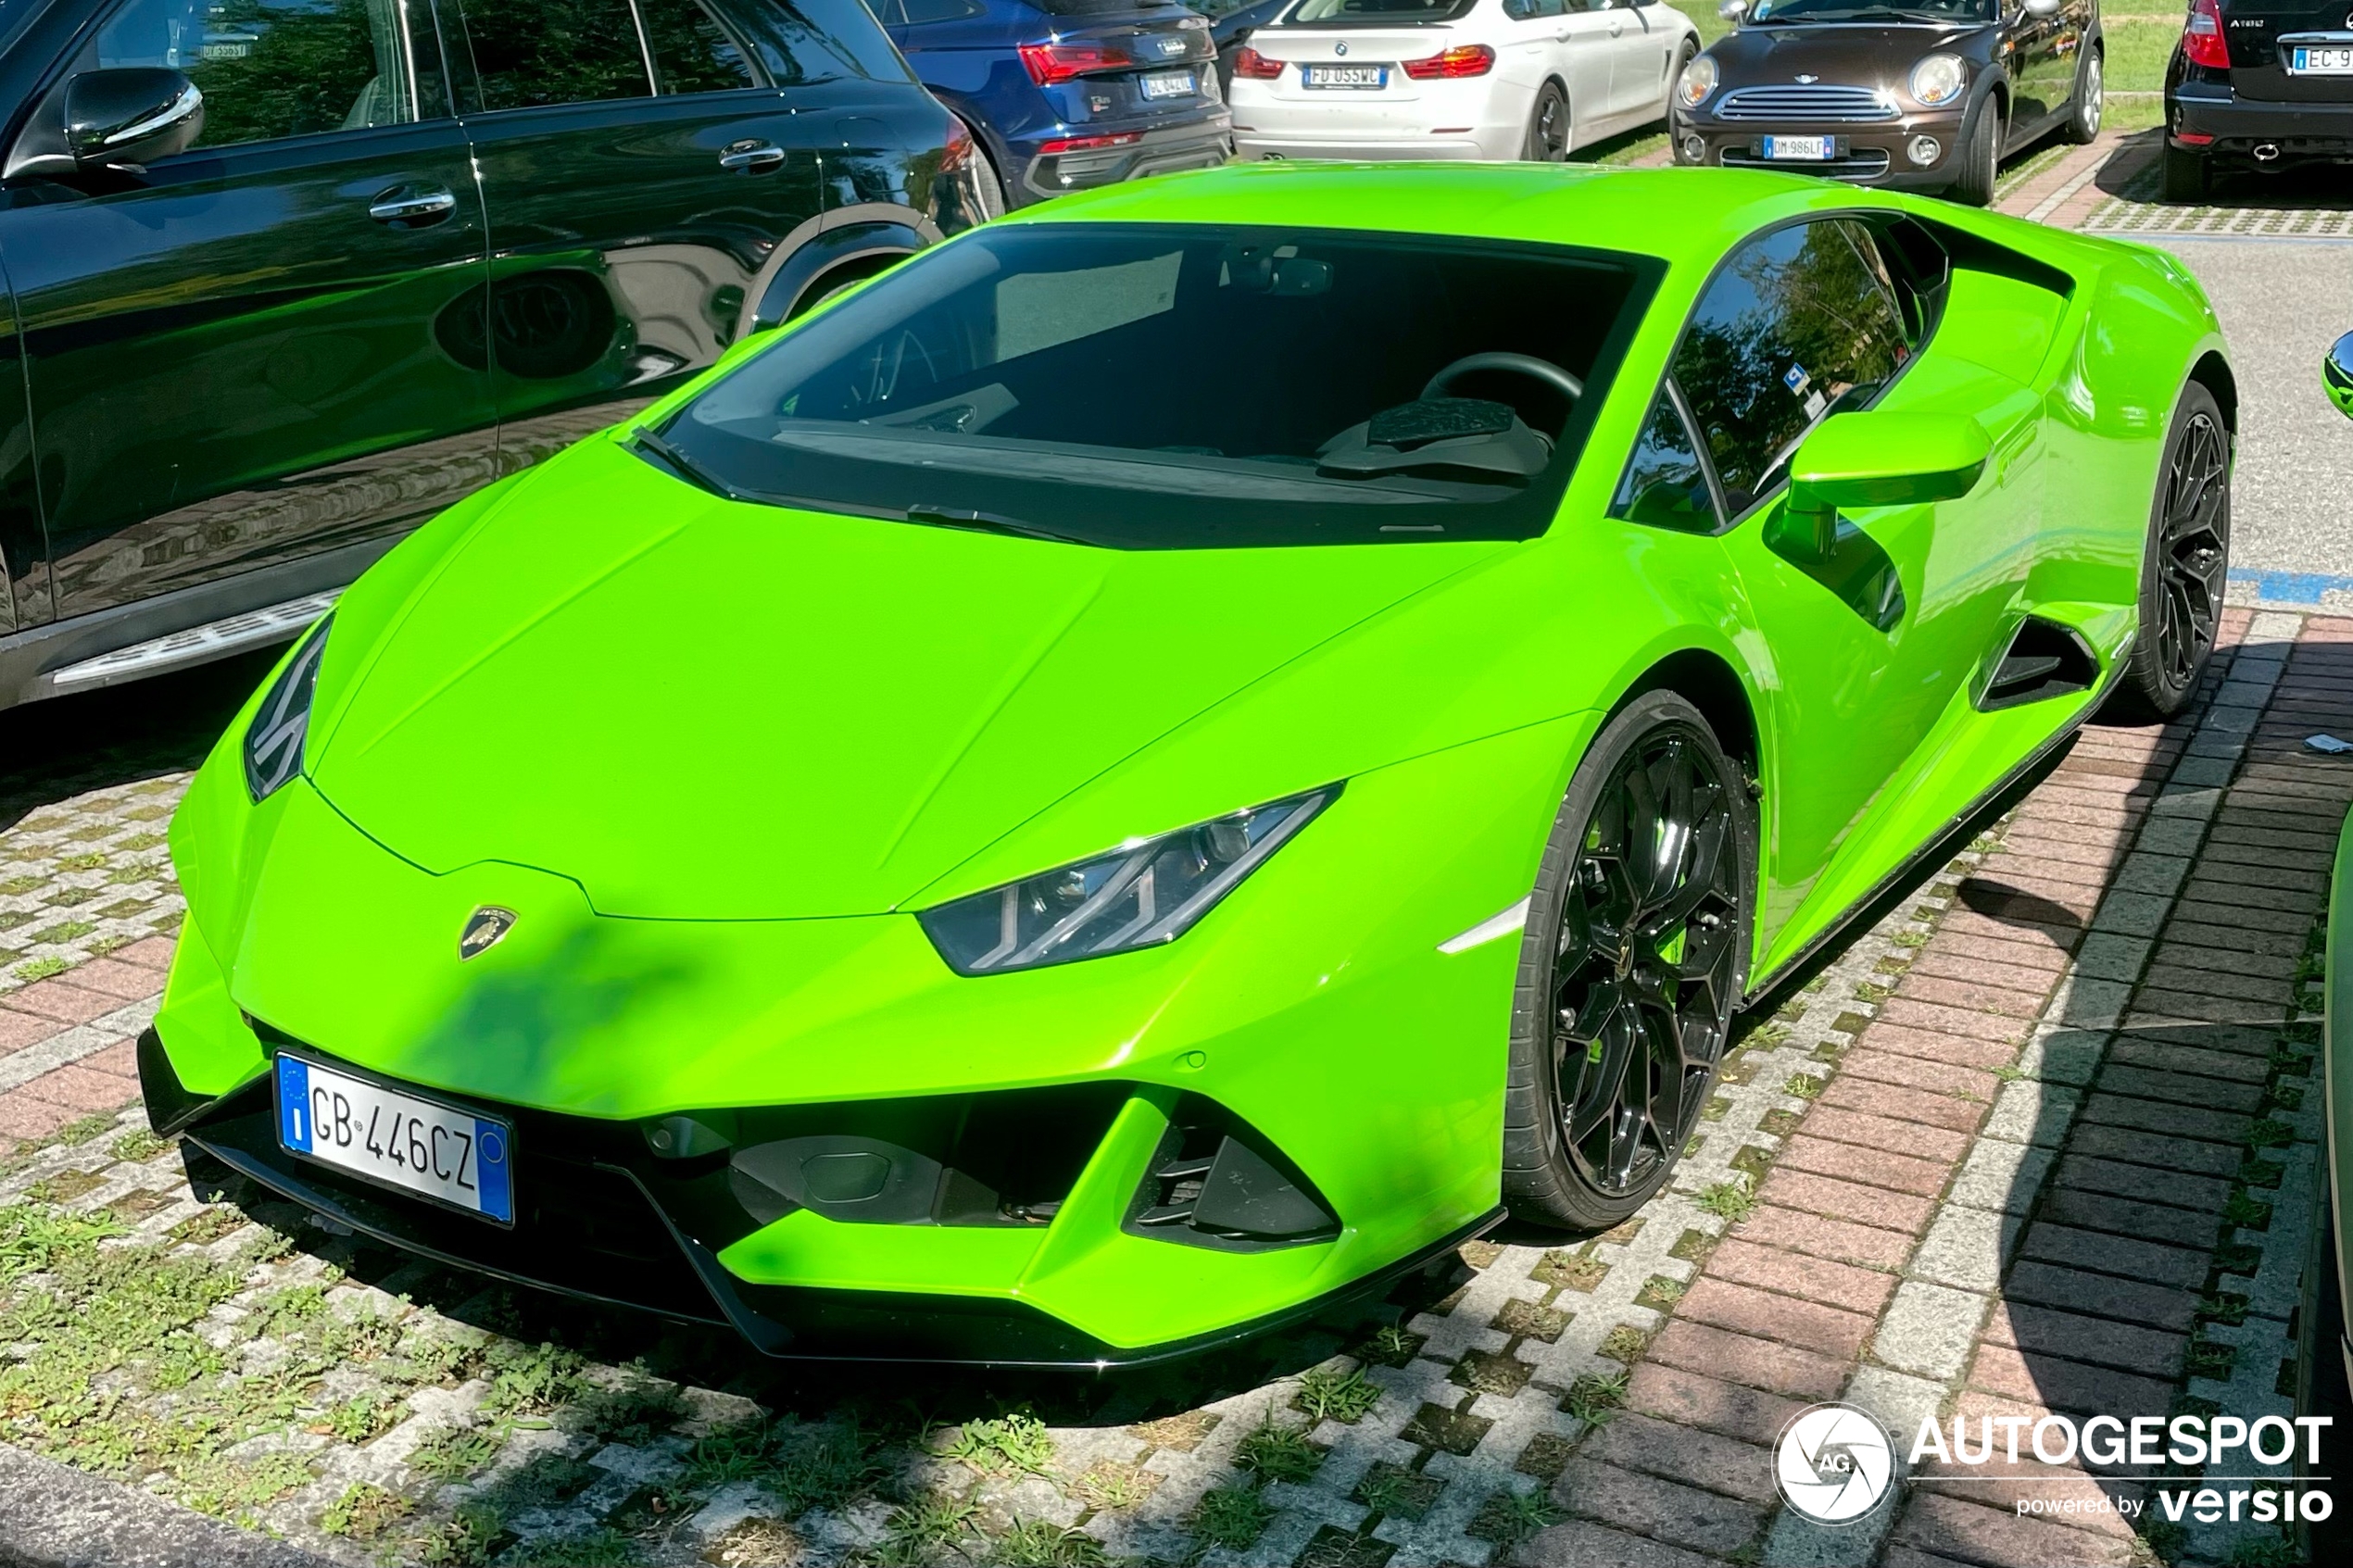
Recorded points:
1699,81
273,741
1140,894
1939,78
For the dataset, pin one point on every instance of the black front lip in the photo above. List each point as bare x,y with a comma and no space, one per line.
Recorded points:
792,1324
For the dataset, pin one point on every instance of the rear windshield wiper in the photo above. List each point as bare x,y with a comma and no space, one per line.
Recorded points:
989,522
686,467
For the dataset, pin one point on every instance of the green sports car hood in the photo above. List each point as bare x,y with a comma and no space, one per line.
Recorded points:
700,708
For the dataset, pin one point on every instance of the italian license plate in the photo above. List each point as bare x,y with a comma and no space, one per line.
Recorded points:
451,1156
1169,84
1345,76
2331,59
1801,150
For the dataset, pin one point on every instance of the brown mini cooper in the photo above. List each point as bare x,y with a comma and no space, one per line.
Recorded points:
1924,95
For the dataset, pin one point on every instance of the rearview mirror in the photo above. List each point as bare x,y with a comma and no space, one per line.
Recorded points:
1732,10
2336,374
1873,459
131,116
2040,8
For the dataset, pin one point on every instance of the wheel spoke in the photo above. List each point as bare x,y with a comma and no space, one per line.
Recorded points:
1604,1086
1581,1023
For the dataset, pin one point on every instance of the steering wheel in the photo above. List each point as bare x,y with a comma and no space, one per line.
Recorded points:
1525,364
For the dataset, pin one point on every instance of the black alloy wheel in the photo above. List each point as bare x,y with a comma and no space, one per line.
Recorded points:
1548,126
1631,968
2187,564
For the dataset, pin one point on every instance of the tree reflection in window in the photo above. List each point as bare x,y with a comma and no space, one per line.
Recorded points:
1801,324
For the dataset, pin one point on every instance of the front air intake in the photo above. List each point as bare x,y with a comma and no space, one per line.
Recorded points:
1217,1182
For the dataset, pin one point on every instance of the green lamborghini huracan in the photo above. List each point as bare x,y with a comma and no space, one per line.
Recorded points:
1175,756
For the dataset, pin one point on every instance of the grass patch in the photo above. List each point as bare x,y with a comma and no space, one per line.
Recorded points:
1115,1485
364,1512
1325,1395
65,930
1231,1517
1731,1200
95,1125
139,1145
39,969
1274,1452
1595,1398
452,1453
1015,1443
1804,1085
1041,1543
1508,1518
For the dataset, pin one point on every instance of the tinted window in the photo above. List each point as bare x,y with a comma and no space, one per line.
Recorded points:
1665,486
692,52
919,11
1049,374
531,53
1408,12
1798,325
1840,10
273,68
801,41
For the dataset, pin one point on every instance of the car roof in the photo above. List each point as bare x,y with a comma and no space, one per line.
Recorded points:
1672,213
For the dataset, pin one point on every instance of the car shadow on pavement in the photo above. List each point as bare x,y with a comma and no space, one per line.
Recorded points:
54,750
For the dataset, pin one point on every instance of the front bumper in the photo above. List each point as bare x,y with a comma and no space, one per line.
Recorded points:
1204,144
1312,1009
2233,127
1870,152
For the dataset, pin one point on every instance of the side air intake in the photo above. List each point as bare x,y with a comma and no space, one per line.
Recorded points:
1216,1182
2043,659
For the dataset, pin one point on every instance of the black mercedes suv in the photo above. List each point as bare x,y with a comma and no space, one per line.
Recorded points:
282,278
2263,84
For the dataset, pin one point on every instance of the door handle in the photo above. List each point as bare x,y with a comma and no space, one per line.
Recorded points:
751,156
407,204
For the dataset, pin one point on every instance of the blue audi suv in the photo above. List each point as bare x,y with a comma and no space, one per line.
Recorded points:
1064,95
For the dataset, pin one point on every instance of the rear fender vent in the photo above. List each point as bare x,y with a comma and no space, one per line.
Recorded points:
2043,659
1217,1182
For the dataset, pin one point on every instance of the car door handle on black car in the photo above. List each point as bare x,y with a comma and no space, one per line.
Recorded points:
752,156
411,207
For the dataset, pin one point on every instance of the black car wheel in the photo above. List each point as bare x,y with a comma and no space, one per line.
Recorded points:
2091,94
1548,127
1632,961
1980,156
2187,561
2186,175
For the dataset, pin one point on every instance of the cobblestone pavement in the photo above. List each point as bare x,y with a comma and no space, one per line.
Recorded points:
2040,1142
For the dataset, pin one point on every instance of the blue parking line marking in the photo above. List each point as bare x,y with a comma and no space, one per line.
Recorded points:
2292,587
294,1103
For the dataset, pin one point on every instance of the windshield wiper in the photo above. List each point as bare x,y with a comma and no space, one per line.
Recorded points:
686,467
989,522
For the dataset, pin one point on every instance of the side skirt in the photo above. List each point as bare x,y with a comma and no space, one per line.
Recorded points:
1923,863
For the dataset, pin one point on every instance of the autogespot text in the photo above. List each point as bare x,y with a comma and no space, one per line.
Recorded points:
2146,1440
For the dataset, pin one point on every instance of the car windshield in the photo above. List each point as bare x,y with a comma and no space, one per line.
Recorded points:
1764,11
1376,13
1191,386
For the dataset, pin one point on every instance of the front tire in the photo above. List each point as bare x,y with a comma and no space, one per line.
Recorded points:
1979,157
1634,959
2091,94
2184,565
1548,128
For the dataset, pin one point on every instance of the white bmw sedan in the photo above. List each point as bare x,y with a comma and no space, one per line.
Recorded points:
1454,79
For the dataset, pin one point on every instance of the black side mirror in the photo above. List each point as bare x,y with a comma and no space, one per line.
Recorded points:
2336,374
131,116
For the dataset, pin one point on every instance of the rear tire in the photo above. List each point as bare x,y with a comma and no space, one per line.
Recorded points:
1634,959
2184,564
2091,95
2187,176
1979,157
1548,127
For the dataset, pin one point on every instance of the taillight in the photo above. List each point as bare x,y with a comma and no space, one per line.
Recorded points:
1463,60
1089,143
958,154
1049,63
1257,67
2202,37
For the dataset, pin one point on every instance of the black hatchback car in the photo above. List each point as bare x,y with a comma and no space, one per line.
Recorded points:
2261,84
281,279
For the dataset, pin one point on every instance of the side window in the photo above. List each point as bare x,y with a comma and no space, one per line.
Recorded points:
887,12
693,53
1798,325
564,51
806,41
1665,485
277,67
